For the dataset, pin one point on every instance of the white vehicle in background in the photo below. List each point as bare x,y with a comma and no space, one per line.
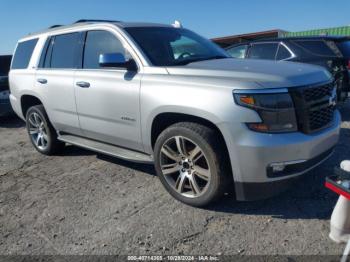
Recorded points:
340,220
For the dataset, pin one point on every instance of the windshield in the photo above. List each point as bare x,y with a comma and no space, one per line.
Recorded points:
168,46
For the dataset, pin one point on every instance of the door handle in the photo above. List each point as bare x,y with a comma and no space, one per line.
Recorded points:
83,84
42,81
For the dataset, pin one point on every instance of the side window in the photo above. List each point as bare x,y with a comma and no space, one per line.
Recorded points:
97,43
23,54
263,51
64,51
238,51
48,55
44,51
282,53
316,47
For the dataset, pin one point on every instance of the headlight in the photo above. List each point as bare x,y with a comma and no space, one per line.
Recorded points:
275,109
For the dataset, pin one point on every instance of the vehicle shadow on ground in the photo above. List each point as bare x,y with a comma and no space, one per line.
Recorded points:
306,199
71,150
145,168
11,122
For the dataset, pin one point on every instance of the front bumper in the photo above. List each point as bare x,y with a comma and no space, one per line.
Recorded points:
251,154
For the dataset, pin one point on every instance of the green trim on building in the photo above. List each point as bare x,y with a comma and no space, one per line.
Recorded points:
336,31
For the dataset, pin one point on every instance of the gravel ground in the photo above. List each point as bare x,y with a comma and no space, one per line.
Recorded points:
83,203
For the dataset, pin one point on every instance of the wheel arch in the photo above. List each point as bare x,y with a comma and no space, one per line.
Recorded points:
27,101
163,120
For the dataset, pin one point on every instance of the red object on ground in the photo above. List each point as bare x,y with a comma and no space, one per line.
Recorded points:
337,190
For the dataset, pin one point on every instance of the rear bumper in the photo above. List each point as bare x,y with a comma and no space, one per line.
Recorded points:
16,106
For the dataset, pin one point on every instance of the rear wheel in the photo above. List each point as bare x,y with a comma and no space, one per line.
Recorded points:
41,133
190,163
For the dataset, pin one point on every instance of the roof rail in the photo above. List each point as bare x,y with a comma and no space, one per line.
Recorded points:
95,21
54,26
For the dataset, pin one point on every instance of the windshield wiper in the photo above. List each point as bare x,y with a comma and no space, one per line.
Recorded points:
198,59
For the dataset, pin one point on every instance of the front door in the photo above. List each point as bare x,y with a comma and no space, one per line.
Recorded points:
107,98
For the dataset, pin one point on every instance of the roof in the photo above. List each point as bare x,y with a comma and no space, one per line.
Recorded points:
84,22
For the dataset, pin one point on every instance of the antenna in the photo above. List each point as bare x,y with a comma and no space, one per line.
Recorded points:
177,24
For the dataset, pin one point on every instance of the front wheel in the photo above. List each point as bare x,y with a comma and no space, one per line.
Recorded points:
190,163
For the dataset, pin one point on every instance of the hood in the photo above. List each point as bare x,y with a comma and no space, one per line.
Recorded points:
266,73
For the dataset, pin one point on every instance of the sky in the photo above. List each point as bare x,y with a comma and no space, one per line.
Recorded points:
208,18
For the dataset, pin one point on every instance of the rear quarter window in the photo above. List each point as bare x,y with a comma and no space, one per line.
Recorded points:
23,54
316,47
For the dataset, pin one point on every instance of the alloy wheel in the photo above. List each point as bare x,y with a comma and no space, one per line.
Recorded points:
37,131
185,166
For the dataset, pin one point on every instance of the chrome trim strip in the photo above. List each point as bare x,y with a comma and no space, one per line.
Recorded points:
288,163
261,91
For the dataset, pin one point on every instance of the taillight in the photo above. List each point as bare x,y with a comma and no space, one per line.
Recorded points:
349,64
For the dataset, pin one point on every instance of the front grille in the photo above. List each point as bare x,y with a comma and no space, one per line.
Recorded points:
316,93
321,118
314,107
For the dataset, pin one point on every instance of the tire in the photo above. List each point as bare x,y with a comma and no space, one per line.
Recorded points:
41,132
192,177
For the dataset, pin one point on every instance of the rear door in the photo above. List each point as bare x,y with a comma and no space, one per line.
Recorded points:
54,79
108,101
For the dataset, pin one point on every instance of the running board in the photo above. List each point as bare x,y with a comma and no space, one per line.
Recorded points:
106,149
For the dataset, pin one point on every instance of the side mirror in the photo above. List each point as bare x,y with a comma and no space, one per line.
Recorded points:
116,60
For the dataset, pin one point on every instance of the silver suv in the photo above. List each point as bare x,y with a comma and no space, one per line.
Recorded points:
163,94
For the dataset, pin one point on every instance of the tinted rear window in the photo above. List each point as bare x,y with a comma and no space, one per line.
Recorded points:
64,51
345,48
316,47
23,54
5,62
263,51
